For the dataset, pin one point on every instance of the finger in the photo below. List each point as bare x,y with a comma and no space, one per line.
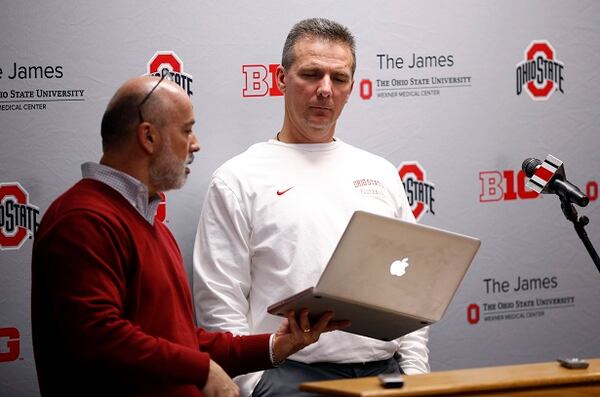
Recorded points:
292,323
337,325
322,323
235,392
284,327
304,321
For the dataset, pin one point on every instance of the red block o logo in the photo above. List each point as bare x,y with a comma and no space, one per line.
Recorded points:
473,313
413,168
366,89
161,210
164,58
544,91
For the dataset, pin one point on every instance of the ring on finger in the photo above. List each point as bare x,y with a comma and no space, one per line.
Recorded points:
306,330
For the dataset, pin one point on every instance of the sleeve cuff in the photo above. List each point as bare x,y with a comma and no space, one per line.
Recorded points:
274,360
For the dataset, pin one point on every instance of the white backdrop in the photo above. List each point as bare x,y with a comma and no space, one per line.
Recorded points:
454,121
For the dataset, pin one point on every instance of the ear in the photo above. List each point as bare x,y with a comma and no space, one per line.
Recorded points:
280,78
147,137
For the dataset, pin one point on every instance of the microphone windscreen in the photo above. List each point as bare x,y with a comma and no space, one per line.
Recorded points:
530,165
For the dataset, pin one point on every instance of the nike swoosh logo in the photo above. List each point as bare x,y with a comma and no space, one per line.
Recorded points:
280,192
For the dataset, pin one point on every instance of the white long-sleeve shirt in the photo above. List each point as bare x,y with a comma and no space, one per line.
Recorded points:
271,219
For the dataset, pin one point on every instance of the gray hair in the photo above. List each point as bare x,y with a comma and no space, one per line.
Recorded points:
321,28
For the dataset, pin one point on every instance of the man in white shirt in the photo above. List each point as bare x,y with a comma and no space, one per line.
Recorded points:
273,216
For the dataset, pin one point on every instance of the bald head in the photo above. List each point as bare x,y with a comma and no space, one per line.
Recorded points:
122,114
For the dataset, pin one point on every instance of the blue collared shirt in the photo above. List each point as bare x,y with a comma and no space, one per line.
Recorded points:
134,191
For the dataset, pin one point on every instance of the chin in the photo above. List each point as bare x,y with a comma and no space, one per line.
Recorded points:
322,126
320,132
182,181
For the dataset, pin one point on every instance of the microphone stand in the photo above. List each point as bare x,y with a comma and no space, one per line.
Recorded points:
569,210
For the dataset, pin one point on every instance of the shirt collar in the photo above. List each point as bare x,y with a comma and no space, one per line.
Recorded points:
134,191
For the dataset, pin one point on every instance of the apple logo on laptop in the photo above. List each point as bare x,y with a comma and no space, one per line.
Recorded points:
398,268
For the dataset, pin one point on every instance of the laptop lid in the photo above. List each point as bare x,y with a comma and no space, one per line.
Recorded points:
397,266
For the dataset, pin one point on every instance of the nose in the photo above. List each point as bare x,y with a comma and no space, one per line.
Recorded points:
324,88
194,145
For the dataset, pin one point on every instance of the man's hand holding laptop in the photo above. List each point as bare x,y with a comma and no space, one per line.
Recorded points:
296,332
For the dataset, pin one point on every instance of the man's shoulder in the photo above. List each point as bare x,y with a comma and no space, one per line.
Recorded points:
88,196
364,155
82,208
241,162
86,191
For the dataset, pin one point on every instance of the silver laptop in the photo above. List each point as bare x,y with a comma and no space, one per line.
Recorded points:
387,276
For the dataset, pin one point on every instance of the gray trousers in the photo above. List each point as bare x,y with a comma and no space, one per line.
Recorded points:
285,379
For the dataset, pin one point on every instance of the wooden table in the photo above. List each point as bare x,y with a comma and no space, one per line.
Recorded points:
526,380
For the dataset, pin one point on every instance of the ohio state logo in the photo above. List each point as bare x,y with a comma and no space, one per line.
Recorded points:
418,190
260,80
18,218
167,62
541,74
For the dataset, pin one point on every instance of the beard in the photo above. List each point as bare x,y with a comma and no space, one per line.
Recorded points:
167,171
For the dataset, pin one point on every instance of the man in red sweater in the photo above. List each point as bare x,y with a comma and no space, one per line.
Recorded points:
112,311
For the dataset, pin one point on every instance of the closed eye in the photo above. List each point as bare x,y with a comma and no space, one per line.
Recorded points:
310,75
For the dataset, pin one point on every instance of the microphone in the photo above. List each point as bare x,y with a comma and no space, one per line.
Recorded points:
548,177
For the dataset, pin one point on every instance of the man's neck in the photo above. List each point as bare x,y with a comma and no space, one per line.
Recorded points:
285,135
130,168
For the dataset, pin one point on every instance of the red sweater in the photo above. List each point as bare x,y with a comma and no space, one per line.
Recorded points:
111,306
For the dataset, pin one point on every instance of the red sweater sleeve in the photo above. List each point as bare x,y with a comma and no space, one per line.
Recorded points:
237,354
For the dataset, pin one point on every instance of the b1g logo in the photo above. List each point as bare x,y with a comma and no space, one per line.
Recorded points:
10,346
505,186
260,80
418,189
167,62
18,218
541,74
500,185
